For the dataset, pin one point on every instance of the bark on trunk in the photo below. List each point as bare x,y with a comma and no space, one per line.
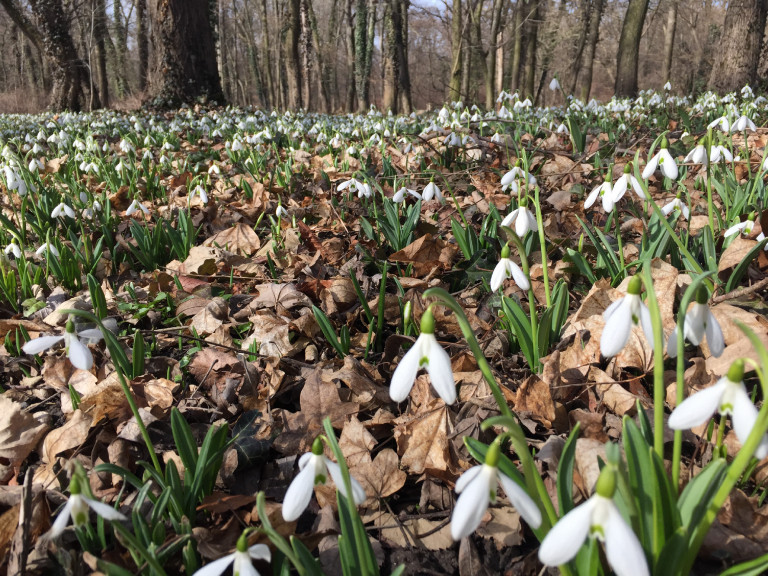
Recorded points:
585,80
71,81
457,47
629,48
739,51
183,53
350,45
404,73
390,63
266,60
669,40
529,73
517,48
490,56
292,33
142,42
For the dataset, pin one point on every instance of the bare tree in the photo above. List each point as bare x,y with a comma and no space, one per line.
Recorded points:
669,40
585,77
629,48
739,53
183,53
457,47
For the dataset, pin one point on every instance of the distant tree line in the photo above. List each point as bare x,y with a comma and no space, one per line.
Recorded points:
344,55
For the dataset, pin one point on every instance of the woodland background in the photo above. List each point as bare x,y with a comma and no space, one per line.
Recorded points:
343,55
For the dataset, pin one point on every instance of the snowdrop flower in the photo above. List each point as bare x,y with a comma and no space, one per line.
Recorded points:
425,353
76,509
621,316
214,169
477,487
77,352
14,249
364,190
35,165
198,191
431,191
314,468
62,208
721,123
727,396
506,268
667,86
743,227
699,321
353,184
599,518
148,155
497,138
562,129
403,193
509,180
742,124
135,207
605,192
554,84
719,152
625,181
281,212
523,219
698,156
240,559
676,205
664,160
47,247
351,151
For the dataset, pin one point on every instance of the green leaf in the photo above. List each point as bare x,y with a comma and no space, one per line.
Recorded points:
565,472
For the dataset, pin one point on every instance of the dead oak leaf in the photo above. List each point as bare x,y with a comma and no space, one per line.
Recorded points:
19,434
426,253
356,443
422,441
382,476
240,239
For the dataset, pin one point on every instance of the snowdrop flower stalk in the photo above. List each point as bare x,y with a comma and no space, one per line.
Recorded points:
727,396
478,486
662,160
77,507
699,322
598,517
621,316
240,559
314,468
425,353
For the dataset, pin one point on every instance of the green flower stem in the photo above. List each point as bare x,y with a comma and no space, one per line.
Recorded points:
677,446
137,548
680,244
710,203
543,245
617,222
274,536
533,480
658,363
531,296
749,164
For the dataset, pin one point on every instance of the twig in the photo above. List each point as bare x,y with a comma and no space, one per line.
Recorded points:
747,290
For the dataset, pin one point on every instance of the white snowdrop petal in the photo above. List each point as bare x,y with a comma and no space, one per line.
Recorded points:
217,567
79,354
714,333
61,521
466,478
260,552
744,412
616,331
622,548
441,373
567,536
104,510
41,344
358,493
519,277
472,504
299,494
697,408
405,373
521,501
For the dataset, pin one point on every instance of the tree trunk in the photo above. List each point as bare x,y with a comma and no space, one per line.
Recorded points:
100,33
490,55
183,54
71,81
589,53
586,10
266,59
517,49
121,50
529,73
629,48
321,59
362,58
142,41
350,45
457,47
292,33
389,56
739,52
404,73
669,40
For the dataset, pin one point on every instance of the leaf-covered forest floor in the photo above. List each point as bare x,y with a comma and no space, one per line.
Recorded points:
263,298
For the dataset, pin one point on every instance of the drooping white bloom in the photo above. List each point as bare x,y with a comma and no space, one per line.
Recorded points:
403,193
523,219
605,192
621,316
599,518
200,192
698,156
506,268
76,509
664,160
554,84
743,227
431,191
62,207
240,559
721,123
77,352
135,207
47,247
14,249
626,181
509,180
314,468
720,152
667,86
676,204
478,486
281,212
699,321
743,123
426,353
727,396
